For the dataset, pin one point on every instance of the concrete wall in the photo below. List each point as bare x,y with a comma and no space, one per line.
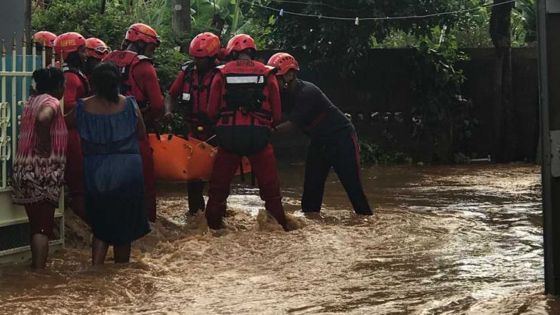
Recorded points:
12,20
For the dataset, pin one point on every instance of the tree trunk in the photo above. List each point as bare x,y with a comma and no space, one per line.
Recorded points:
181,17
500,32
103,6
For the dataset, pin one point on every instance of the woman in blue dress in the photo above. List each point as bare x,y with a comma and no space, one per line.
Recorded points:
110,126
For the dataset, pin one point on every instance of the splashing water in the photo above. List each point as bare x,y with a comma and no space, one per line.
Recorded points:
445,240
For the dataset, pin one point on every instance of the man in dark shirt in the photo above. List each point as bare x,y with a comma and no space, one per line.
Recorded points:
333,138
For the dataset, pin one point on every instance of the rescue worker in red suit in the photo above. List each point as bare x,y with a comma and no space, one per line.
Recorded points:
333,138
191,90
72,51
245,103
96,50
139,79
45,43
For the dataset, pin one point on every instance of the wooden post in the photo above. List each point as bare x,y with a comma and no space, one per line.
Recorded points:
181,21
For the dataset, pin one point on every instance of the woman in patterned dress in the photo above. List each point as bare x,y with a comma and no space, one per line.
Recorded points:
40,160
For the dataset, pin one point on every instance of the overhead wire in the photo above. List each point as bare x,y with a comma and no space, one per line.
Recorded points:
356,19
316,4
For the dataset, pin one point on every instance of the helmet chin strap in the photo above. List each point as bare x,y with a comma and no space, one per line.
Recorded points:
287,83
139,47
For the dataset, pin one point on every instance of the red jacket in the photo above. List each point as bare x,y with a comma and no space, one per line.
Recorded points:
246,69
189,87
76,86
142,80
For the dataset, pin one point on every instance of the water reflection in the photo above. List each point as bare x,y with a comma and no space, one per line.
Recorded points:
463,239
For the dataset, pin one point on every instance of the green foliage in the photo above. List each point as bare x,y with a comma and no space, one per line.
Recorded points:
167,61
204,13
373,154
472,29
85,17
441,114
342,44
525,20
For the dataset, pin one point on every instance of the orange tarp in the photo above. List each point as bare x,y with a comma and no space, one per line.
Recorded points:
179,159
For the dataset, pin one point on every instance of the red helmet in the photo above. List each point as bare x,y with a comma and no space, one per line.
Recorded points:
239,43
96,48
284,62
45,38
204,45
67,43
142,32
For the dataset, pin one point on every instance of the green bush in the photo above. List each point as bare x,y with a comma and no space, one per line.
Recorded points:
85,17
441,113
374,154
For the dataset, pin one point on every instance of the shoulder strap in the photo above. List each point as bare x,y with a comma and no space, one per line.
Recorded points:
188,66
188,69
271,70
131,103
80,74
144,58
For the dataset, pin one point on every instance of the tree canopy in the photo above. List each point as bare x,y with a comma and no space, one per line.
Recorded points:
344,40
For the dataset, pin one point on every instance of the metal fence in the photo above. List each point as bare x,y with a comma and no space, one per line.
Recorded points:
16,70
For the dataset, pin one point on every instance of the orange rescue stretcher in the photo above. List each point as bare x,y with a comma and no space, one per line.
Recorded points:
178,159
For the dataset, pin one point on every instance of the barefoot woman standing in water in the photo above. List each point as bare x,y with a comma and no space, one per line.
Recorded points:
40,159
110,127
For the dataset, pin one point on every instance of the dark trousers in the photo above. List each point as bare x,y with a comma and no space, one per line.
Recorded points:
263,165
341,152
147,154
195,190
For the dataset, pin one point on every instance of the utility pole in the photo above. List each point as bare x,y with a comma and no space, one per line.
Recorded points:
181,17
549,83
27,30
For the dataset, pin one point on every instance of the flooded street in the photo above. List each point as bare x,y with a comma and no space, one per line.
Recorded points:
444,240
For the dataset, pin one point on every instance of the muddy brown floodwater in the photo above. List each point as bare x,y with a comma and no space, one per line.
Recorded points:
444,240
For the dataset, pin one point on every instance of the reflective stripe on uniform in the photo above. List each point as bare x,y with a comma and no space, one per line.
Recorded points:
255,79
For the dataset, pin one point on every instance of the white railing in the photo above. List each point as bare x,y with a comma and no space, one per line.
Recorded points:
20,68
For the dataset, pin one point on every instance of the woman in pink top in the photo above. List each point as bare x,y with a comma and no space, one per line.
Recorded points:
38,170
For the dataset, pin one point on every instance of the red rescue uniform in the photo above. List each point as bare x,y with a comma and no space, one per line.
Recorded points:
76,86
141,81
245,102
191,89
